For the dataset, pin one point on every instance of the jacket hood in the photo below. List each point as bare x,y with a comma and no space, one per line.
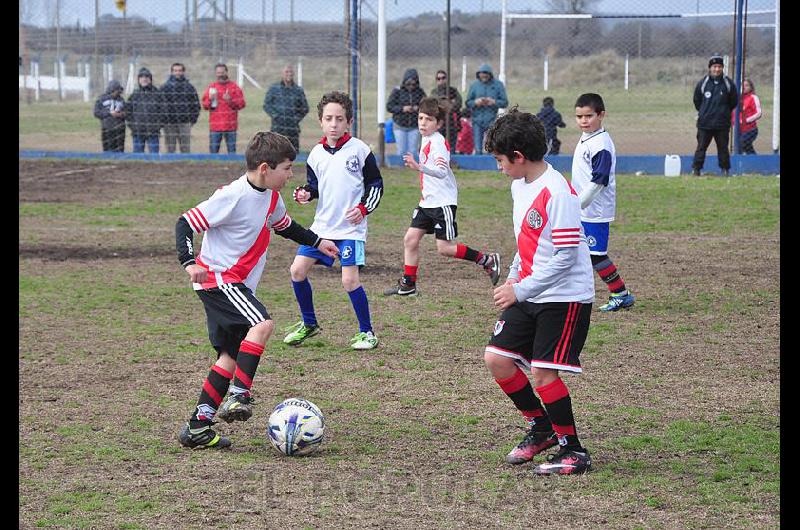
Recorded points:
485,68
113,85
411,73
145,72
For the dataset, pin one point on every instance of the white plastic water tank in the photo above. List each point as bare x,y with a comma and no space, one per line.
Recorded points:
672,166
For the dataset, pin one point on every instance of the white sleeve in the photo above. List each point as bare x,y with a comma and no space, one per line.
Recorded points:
212,211
513,269
544,277
438,163
279,219
589,193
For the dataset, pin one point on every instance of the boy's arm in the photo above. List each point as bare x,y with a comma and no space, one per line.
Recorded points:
184,237
561,123
601,172
373,186
501,101
544,277
310,188
698,96
513,270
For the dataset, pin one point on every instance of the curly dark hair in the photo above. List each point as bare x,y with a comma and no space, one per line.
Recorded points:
336,97
269,147
517,131
432,107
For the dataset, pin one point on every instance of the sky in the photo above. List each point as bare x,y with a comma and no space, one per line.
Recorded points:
42,12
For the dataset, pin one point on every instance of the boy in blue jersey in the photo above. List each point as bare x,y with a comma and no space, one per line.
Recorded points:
593,167
343,176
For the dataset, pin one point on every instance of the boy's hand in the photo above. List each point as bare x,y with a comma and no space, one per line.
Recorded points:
197,273
328,248
301,195
408,158
504,296
354,215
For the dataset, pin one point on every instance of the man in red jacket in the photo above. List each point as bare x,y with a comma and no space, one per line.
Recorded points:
223,99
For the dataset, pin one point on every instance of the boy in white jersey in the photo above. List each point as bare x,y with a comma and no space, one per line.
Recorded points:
593,178
436,213
236,222
546,300
343,175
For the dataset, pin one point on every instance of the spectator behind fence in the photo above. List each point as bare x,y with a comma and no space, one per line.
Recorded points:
285,102
223,99
451,100
183,108
403,104
751,111
715,96
486,96
465,145
109,109
551,119
146,111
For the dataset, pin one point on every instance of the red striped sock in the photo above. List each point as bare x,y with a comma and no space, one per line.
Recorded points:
518,388
246,364
558,403
214,389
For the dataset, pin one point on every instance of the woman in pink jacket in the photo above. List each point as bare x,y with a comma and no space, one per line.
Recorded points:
751,111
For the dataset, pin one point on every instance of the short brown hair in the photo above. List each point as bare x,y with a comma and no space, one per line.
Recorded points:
432,107
336,97
269,147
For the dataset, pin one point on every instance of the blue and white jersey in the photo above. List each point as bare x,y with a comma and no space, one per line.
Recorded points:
595,161
342,177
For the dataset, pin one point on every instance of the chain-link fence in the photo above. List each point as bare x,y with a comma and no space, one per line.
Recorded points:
644,59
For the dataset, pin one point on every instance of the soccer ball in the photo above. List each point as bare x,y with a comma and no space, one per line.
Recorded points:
296,427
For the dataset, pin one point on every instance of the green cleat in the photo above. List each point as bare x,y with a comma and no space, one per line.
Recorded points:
364,341
202,438
300,332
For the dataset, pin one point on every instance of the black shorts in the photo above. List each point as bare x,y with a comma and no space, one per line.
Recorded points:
231,310
440,221
547,335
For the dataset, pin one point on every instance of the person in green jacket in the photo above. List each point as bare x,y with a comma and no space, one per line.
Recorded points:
485,97
286,104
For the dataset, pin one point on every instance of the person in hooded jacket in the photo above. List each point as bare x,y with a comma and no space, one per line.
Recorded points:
109,108
486,96
403,103
551,119
183,109
146,112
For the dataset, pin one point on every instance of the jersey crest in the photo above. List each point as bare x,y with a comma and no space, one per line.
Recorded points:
534,219
352,165
498,326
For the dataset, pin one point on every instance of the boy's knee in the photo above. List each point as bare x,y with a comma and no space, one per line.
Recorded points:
262,331
446,248
350,284
411,240
298,272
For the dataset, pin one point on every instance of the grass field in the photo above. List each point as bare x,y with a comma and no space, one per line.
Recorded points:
678,403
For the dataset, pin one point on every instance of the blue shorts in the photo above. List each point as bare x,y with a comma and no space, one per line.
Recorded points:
596,237
351,252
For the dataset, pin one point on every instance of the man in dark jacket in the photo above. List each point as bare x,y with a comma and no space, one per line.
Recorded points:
109,109
146,111
285,102
451,100
183,108
404,105
551,119
714,97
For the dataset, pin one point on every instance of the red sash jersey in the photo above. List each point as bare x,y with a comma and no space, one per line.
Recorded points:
546,218
437,182
242,217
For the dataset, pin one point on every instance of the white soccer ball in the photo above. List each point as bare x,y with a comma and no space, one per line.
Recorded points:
296,427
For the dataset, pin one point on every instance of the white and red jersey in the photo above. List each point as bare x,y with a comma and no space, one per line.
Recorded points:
436,180
236,222
595,161
546,218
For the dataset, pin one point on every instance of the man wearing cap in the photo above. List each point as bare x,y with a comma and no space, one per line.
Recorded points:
109,109
714,97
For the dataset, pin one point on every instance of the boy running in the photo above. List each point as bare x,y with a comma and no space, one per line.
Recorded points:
436,213
546,300
593,178
236,222
343,175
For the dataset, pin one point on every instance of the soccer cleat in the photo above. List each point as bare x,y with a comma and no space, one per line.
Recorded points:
300,332
617,302
404,287
696,172
493,270
202,438
364,341
236,407
565,462
534,443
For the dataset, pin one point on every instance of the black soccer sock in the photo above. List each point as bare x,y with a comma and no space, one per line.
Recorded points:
558,404
518,388
246,364
609,274
469,254
214,389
